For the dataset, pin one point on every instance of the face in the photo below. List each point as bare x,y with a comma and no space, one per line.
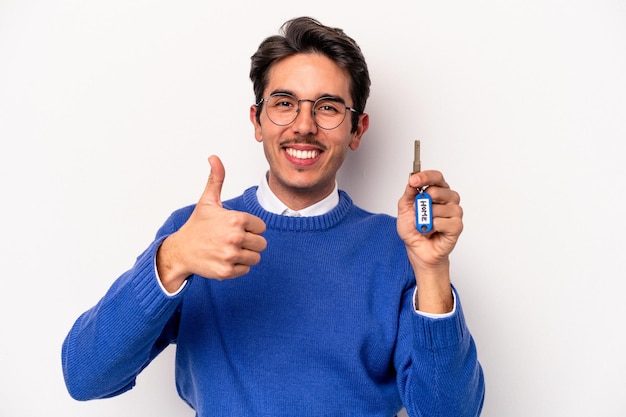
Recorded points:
303,158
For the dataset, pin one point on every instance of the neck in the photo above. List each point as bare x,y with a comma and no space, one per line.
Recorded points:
299,198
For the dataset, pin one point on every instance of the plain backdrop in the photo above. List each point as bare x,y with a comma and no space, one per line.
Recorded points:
109,110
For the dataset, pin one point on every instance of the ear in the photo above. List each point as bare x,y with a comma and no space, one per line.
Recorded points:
257,126
364,124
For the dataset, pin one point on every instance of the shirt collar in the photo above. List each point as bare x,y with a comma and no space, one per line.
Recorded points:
269,201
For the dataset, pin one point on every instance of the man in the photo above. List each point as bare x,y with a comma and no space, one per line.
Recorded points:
290,300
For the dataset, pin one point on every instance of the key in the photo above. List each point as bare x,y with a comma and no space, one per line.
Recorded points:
423,202
417,164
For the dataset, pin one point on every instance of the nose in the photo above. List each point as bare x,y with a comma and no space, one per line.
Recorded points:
305,120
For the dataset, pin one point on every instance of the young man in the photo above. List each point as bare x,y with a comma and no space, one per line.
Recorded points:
289,300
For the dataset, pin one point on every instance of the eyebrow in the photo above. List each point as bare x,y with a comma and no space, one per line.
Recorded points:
324,95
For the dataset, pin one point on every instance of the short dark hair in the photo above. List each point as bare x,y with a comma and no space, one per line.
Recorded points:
307,35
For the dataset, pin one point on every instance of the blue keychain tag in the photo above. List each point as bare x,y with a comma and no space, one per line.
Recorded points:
423,212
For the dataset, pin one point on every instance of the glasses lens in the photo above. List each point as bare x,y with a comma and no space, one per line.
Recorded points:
329,112
282,109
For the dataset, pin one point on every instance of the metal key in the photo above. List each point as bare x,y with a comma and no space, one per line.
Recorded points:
423,202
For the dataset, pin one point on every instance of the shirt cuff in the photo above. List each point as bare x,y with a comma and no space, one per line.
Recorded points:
156,274
432,315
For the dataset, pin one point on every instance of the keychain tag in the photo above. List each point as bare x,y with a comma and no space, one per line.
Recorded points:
423,212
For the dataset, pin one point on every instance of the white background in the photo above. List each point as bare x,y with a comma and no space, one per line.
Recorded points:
109,109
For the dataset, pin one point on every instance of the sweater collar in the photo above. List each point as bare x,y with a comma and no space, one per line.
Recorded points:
309,223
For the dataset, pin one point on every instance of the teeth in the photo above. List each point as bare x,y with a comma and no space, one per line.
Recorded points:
296,153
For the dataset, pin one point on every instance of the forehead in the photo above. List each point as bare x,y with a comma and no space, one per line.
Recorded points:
309,75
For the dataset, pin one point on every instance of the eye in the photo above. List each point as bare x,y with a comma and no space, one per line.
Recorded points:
328,106
282,102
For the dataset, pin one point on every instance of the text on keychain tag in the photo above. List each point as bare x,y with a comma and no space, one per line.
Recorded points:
423,202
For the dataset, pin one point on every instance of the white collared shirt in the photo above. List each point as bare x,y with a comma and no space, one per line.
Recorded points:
269,202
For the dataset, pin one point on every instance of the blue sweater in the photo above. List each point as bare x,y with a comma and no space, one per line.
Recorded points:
322,326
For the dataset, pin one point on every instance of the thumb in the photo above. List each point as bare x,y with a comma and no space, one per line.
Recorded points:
213,189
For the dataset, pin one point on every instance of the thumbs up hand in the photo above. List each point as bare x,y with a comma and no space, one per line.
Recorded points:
214,242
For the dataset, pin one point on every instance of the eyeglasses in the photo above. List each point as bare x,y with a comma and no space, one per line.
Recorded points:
327,112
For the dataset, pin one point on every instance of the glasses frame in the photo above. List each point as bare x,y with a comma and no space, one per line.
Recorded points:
338,100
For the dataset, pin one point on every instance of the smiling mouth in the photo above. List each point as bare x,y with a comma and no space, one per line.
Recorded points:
302,154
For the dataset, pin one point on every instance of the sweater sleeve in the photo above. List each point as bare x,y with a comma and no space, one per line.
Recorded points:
111,343
437,365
